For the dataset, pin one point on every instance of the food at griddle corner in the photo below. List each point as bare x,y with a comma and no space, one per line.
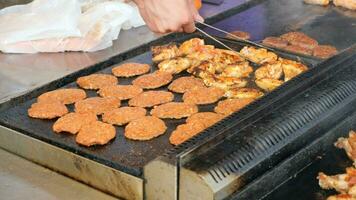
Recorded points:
345,183
318,2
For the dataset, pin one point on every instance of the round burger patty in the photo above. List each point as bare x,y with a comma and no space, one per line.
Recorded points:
324,51
95,133
121,92
65,96
153,80
229,106
183,84
130,69
205,118
184,132
203,95
73,122
47,110
96,81
96,105
275,42
174,110
151,98
123,115
145,128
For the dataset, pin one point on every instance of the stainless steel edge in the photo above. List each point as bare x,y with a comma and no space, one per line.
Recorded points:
104,178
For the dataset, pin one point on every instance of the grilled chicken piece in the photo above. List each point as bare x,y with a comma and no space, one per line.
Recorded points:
343,183
292,68
227,57
165,52
190,46
239,70
205,68
203,53
177,65
349,4
268,84
270,70
259,56
242,93
225,83
317,2
341,197
349,145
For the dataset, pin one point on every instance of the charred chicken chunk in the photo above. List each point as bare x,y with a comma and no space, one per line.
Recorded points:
348,144
165,52
176,65
190,46
259,56
270,70
268,84
292,68
242,93
238,70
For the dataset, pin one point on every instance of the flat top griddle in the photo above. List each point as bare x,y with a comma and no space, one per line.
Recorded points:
125,155
329,25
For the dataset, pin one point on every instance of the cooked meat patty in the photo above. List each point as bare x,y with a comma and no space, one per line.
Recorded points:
174,110
130,69
241,93
96,81
324,51
205,118
121,92
299,49
95,133
96,105
258,55
151,98
165,52
268,84
270,70
184,132
275,42
65,96
300,39
240,34
317,2
153,80
203,95
292,68
229,106
145,128
124,115
183,84
349,4
47,110
73,122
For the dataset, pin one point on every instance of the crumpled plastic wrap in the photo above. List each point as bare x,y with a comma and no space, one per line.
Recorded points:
65,25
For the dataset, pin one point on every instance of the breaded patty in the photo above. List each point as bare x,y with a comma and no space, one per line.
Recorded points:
95,133
153,80
205,118
299,49
65,96
96,81
240,34
174,110
229,106
121,92
130,69
270,70
47,110
151,98
268,84
124,115
203,95
275,42
96,105
300,39
145,128
324,51
184,132
183,84
241,93
73,122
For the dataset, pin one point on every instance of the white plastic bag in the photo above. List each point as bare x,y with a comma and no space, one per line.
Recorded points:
98,24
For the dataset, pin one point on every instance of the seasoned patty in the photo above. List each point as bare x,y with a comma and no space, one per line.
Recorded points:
95,133
96,81
73,122
184,132
153,80
275,42
121,92
151,98
229,106
268,84
292,68
205,118
299,49
130,69
174,110
241,93
145,128
240,34
96,105
203,95
124,115
65,96
324,51
300,39
183,84
47,110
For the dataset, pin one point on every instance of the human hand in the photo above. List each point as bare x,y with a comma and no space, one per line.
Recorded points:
164,16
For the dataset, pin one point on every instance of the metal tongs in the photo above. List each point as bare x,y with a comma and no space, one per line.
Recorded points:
233,36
